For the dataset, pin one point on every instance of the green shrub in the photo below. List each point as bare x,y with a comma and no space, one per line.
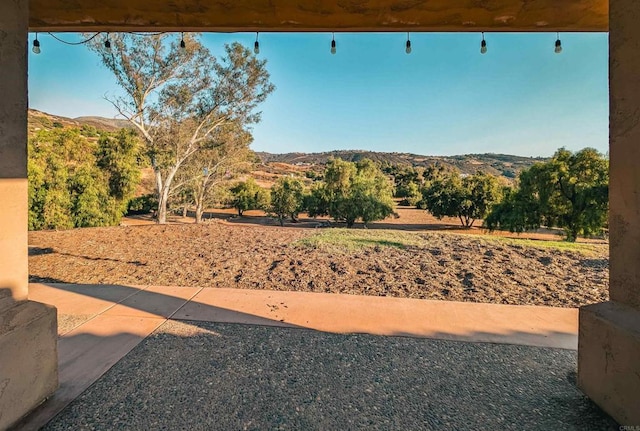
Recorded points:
142,204
75,182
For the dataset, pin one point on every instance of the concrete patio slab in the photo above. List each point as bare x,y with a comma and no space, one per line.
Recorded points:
526,325
154,301
104,323
80,299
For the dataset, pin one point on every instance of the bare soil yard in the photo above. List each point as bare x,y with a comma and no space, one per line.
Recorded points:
435,265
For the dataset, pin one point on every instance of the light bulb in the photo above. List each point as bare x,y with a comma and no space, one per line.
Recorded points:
558,48
333,47
483,47
408,49
256,47
36,47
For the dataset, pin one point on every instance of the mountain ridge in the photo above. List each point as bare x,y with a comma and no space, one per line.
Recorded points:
504,165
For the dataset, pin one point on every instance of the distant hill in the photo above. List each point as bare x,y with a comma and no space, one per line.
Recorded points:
275,165
39,120
104,123
496,164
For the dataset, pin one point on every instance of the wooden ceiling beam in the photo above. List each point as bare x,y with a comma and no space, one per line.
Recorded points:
320,15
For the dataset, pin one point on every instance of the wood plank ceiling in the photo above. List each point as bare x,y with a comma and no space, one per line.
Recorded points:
319,15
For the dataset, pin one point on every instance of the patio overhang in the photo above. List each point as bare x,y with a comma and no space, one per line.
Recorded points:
320,15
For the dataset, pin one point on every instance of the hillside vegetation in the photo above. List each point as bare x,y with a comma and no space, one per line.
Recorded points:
504,165
39,120
568,191
275,165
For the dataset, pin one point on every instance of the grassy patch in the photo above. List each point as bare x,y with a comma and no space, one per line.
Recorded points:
586,249
350,239
336,239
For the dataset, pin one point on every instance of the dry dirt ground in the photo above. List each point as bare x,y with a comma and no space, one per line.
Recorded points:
430,265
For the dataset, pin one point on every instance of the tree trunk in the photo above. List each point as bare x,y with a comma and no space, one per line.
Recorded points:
184,211
572,234
199,211
281,221
163,198
161,213
163,193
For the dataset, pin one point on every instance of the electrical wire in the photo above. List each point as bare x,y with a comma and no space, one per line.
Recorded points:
135,33
82,42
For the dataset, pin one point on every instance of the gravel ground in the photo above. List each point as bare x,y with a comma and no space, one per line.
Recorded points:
68,322
240,377
440,266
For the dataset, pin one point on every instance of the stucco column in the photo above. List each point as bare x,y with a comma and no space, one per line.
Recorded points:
28,363
13,154
609,343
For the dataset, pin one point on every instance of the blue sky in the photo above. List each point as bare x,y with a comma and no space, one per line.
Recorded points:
444,98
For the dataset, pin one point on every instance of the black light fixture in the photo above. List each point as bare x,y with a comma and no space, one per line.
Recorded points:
182,44
558,48
408,45
107,42
333,43
256,45
483,45
36,45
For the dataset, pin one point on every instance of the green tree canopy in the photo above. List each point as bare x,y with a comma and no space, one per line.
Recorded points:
352,191
78,182
209,171
316,202
469,198
407,181
287,197
248,195
571,191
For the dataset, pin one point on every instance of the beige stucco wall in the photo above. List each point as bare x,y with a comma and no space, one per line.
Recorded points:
609,339
609,359
28,333
13,151
28,359
624,189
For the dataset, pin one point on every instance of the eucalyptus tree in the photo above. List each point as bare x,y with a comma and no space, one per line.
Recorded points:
219,161
177,94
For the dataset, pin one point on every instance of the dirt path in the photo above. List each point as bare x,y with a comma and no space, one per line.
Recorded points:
383,263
